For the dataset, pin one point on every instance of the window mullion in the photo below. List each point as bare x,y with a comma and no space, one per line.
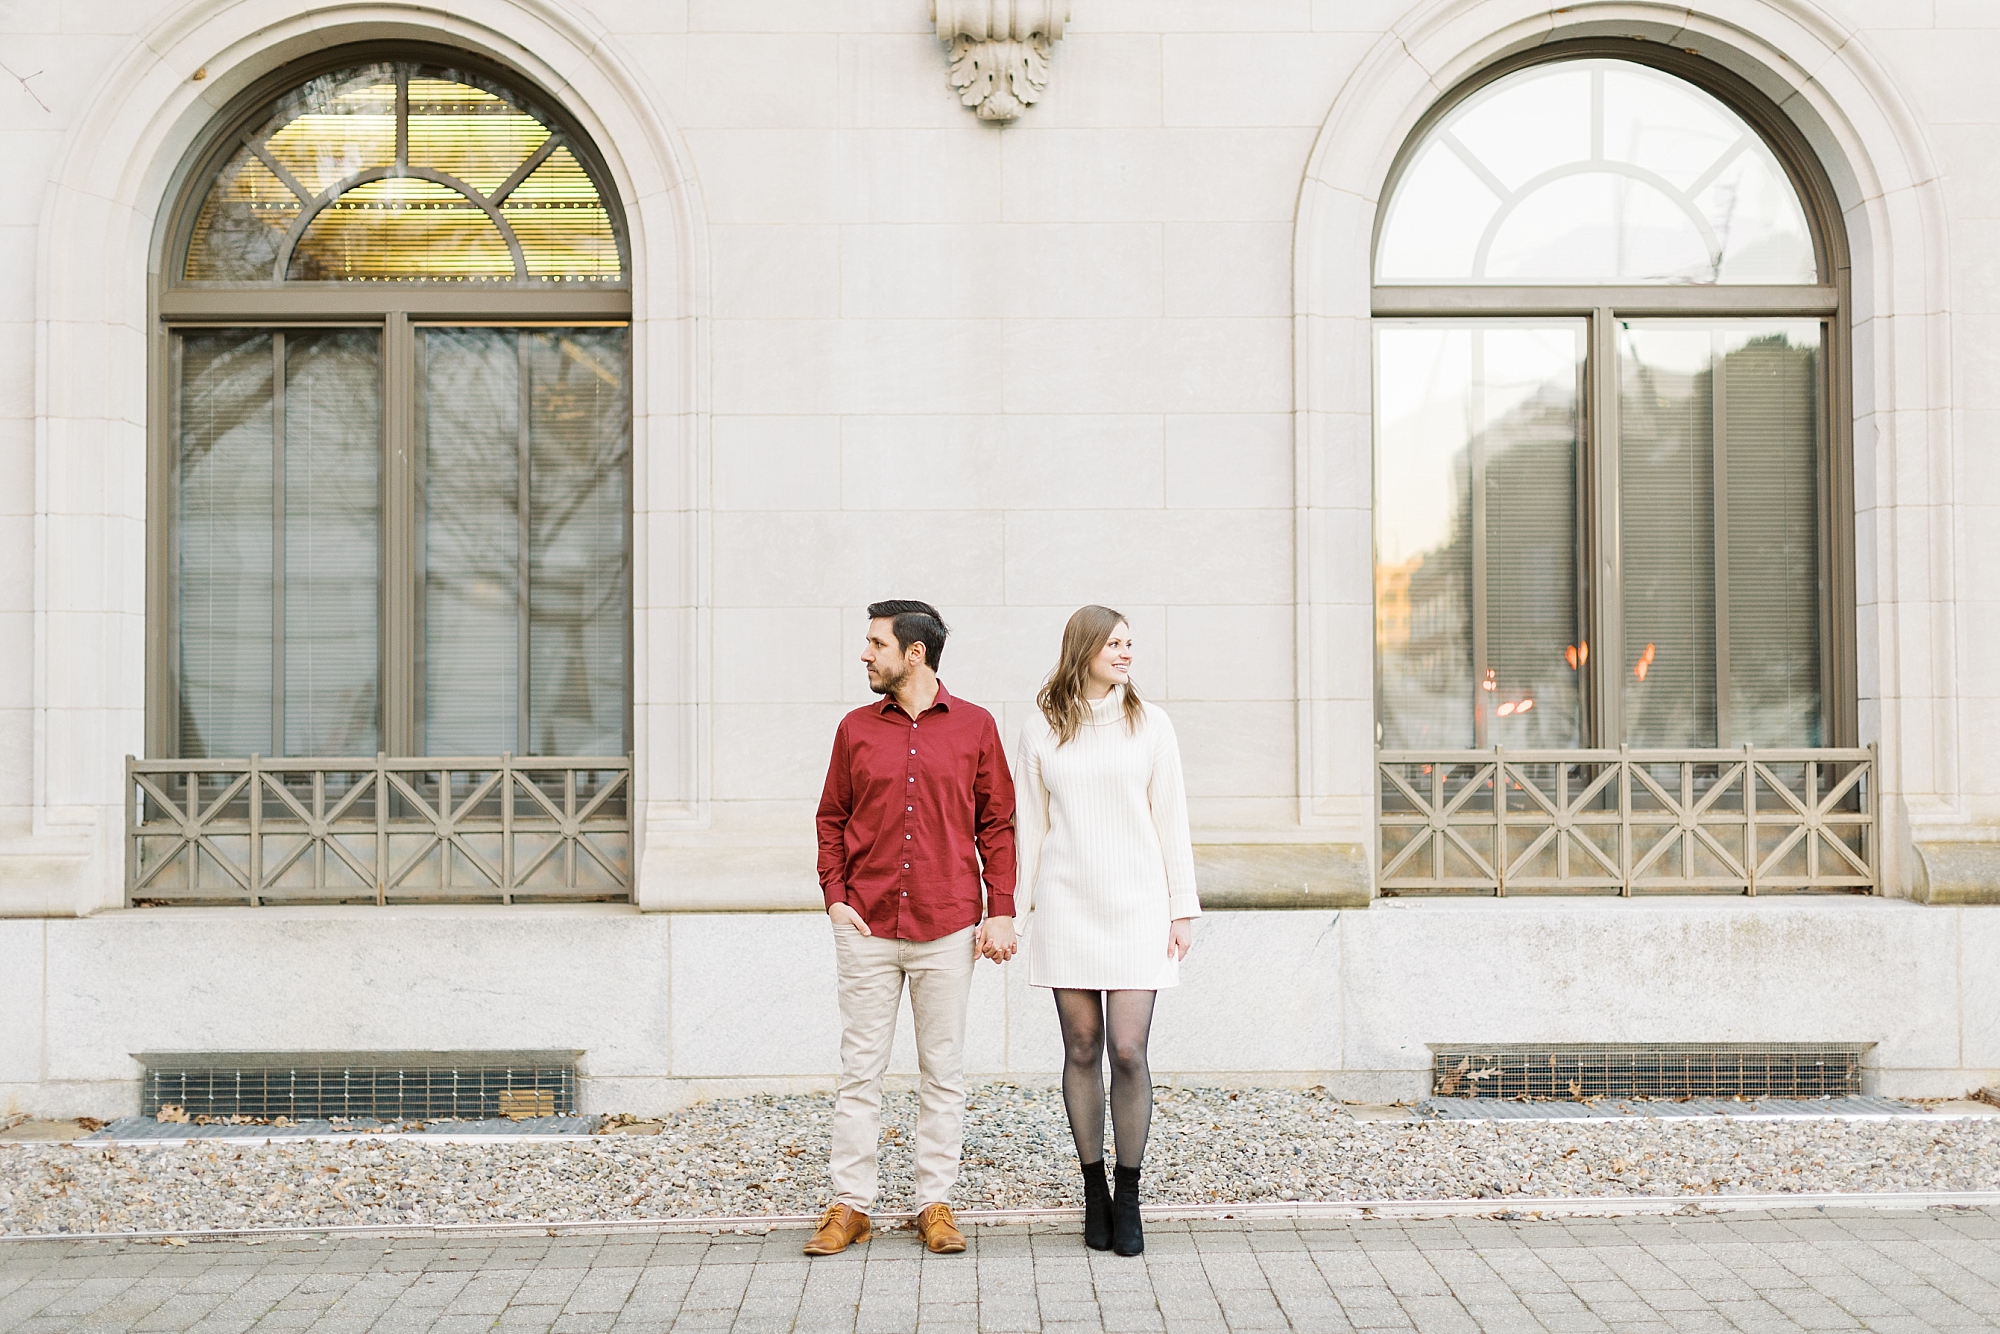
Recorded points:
523,544
1605,627
1838,672
1718,397
164,705
1476,480
400,567
277,543
402,118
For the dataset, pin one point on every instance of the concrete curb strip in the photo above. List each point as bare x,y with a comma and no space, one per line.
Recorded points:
428,1137
1517,1208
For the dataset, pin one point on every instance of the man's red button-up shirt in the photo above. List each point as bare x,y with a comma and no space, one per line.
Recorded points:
915,814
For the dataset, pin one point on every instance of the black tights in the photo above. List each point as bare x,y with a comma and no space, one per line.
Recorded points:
1084,1016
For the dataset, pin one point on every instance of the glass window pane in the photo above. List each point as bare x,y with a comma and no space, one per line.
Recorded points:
319,134
334,127
1594,171
394,228
1721,637
242,224
469,133
562,225
580,573
1771,389
1476,534
223,532
333,540
1666,481
571,629
470,417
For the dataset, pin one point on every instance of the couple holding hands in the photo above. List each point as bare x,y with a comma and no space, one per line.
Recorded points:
919,816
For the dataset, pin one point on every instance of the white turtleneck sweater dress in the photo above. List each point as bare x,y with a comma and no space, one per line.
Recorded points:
1106,864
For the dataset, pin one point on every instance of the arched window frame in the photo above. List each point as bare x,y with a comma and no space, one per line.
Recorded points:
1828,300
395,309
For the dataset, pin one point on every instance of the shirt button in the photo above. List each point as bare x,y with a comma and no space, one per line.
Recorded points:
913,780
906,893
909,808
906,866
913,752
909,836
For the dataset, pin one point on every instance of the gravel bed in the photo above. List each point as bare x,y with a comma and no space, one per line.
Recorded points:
767,1155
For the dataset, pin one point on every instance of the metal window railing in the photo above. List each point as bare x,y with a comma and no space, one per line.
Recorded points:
1749,821
506,829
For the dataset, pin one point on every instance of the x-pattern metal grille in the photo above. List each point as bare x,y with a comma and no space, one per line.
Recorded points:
506,829
1623,821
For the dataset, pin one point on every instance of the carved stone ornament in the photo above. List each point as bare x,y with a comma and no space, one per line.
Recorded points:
999,50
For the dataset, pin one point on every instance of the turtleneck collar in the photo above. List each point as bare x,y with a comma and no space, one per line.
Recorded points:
1108,709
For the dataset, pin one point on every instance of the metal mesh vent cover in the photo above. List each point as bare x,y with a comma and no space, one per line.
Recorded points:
1665,1070
360,1085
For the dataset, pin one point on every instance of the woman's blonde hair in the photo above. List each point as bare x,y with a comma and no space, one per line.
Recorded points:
1061,699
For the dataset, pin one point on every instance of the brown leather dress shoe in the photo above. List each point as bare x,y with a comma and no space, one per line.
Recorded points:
839,1228
938,1230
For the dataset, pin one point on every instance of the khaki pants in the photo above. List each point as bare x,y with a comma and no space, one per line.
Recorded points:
872,972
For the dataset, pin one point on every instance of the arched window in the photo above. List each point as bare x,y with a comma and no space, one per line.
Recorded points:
1603,426
1612,496
391,475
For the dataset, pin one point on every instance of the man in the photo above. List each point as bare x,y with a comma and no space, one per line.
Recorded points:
917,811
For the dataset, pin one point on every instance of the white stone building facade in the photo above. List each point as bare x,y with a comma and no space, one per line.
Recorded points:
1122,348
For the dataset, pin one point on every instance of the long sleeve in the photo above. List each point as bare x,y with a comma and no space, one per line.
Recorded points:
836,804
1166,792
993,802
1031,821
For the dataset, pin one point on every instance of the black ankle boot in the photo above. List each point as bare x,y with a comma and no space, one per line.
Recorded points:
1128,1235
1096,1207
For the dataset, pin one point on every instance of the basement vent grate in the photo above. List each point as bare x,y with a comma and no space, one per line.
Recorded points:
423,1086
1669,1070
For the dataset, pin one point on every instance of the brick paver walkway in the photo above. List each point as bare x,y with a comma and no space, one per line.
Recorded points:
1759,1273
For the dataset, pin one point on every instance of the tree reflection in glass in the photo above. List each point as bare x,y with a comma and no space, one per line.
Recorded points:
526,555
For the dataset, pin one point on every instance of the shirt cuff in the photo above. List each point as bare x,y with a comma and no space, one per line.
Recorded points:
999,903
1182,905
833,894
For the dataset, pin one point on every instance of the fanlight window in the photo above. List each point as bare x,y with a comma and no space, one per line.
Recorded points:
1594,171
400,173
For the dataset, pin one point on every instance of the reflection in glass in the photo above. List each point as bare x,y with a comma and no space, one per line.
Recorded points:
471,467
402,173
580,557
387,228
524,444
1721,583
562,226
224,532
333,526
1594,171
1476,534
278,533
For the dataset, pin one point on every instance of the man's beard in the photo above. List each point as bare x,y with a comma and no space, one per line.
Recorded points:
882,683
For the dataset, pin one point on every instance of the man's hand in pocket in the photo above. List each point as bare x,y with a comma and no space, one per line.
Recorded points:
843,915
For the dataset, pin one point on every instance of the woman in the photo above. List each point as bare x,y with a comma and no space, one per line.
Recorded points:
1107,886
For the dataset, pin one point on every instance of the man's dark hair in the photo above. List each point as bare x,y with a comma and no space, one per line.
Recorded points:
914,623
